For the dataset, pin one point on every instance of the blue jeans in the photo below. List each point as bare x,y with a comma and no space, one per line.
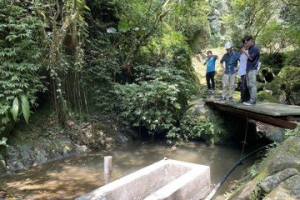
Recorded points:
251,83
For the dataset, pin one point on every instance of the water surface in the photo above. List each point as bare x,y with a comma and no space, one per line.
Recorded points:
80,174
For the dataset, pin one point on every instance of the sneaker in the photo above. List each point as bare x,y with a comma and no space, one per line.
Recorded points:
249,103
212,91
222,99
208,91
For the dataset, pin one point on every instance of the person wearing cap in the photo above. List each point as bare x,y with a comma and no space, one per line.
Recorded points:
242,73
230,58
210,63
253,63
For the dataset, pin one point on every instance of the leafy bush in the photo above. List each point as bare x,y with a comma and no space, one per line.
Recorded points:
274,60
292,58
20,62
264,96
156,104
209,129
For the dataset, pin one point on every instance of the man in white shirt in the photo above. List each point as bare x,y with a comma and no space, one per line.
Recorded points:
242,73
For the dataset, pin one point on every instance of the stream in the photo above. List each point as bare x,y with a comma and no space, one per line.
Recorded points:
79,174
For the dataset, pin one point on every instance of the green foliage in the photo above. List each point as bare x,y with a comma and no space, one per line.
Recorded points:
295,132
264,96
290,76
20,61
156,104
272,37
15,108
292,58
274,60
202,127
249,17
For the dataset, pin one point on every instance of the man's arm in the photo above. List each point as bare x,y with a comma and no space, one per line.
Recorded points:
253,55
222,64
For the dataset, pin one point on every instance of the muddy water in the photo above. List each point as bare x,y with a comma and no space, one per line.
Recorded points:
77,175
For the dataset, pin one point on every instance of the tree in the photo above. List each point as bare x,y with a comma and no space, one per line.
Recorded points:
250,17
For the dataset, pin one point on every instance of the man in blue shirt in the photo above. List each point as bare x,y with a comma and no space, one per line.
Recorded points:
253,56
230,59
210,63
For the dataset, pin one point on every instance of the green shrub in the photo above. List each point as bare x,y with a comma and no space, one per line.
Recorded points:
264,96
156,104
20,63
274,60
292,58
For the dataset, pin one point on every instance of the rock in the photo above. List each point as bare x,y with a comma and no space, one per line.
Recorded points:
295,98
41,156
285,156
70,124
67,150
3,167
245,192
82,149
274,180
276,174
109,140
275,134
288,190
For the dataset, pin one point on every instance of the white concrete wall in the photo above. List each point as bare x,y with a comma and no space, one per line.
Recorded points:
166,179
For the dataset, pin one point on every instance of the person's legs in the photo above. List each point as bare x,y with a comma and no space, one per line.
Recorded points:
252,85
208,81
225,85
232,85
244,89
213,80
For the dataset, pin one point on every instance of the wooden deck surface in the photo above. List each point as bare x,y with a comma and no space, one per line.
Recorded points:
285,116
270,109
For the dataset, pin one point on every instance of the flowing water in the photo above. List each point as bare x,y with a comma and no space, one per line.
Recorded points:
76,175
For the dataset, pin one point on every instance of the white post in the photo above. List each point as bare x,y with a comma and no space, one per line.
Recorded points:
107,168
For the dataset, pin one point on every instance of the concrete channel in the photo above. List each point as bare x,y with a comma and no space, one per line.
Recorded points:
164,180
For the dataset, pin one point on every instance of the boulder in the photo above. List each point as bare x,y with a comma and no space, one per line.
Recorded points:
245,192
288,190
285,156
278,174
274,180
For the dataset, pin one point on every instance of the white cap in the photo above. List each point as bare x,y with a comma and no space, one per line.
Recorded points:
228,45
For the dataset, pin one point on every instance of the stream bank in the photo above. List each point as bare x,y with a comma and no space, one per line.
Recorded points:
275,177
43,140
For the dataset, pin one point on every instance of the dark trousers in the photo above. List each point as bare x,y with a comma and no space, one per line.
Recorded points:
210,80
245,95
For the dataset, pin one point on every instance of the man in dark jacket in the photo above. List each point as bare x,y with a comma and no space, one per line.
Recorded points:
253,56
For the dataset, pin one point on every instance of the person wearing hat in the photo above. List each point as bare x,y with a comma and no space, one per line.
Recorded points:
253,63
230,58
242,73
210,63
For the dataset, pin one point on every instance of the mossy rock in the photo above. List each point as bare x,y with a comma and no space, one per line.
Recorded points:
289,189
285,156
264,96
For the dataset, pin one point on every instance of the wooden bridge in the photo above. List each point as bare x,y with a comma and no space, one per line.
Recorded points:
285,116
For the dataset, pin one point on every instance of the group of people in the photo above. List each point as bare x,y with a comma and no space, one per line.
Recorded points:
249,63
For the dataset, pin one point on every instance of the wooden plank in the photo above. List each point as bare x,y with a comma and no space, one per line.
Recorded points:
258,117
271,109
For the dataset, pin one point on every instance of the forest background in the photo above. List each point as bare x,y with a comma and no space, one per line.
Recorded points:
131,60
